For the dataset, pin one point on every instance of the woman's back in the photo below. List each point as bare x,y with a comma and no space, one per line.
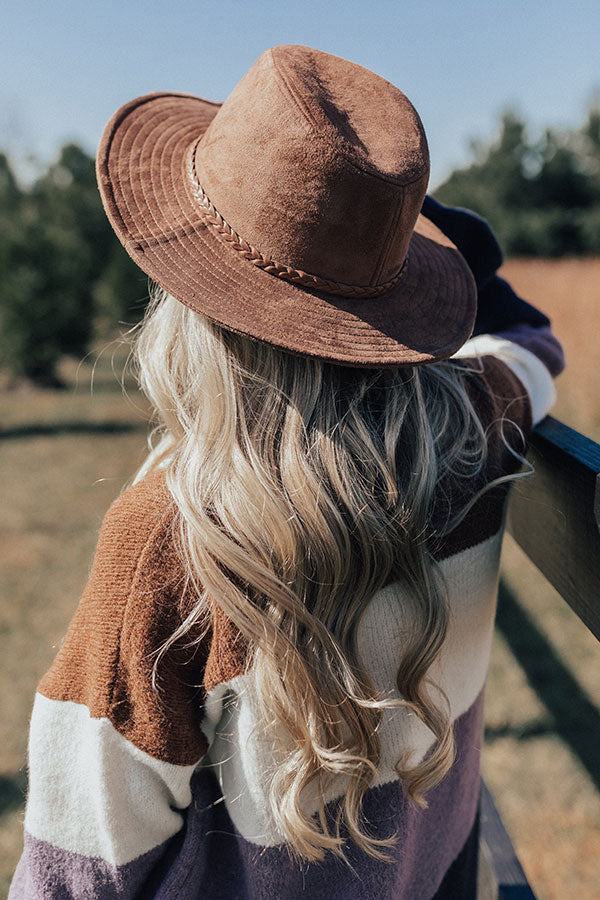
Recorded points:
205,749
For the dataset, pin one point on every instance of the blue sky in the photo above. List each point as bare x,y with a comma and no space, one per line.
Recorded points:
68,65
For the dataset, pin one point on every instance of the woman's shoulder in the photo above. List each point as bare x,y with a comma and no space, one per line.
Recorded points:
130,605
138,510
514,372
136,555
497,394
137,548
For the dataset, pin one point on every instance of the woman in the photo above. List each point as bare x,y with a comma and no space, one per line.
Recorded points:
273,685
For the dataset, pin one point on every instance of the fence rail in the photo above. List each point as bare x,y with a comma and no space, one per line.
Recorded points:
555,517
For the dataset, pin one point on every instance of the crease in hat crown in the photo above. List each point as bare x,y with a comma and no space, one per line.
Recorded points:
230,237
315,169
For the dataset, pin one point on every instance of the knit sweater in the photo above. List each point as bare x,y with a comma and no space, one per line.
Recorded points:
138,792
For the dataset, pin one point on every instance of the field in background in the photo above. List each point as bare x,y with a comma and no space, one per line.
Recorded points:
65,456
541,756
568,290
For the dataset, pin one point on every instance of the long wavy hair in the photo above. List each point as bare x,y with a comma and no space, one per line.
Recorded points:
303,487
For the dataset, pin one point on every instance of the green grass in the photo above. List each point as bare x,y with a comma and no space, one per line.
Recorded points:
66,454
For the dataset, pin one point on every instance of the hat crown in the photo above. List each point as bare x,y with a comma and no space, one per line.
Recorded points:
319,164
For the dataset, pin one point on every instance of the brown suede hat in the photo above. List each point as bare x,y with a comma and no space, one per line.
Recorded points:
291,212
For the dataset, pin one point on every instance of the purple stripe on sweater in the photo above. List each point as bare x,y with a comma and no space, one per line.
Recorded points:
209,859
541,342
47,872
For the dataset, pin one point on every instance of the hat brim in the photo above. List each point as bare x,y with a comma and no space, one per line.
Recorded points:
141,169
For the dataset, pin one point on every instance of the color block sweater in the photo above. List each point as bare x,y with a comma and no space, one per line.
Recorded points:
143,793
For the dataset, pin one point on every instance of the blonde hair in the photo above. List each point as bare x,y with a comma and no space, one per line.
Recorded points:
302,488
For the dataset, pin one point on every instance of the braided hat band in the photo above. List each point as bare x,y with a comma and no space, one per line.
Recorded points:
226,233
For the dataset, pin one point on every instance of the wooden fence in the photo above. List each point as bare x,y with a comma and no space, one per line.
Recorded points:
555,517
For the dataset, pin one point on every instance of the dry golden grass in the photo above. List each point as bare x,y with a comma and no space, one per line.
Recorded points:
568,290
66,455
548,797
540,757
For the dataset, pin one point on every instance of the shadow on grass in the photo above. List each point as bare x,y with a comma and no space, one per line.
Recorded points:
34,430
520,732
13,789
576,721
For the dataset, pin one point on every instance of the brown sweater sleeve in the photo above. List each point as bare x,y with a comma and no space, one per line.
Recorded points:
134,600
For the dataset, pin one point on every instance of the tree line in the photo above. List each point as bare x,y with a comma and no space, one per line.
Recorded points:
66,279
542,197
65,276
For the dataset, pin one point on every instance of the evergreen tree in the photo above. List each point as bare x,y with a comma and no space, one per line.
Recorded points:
541,198
63,267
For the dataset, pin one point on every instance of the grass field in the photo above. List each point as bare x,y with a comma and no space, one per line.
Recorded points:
569,292
65,456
